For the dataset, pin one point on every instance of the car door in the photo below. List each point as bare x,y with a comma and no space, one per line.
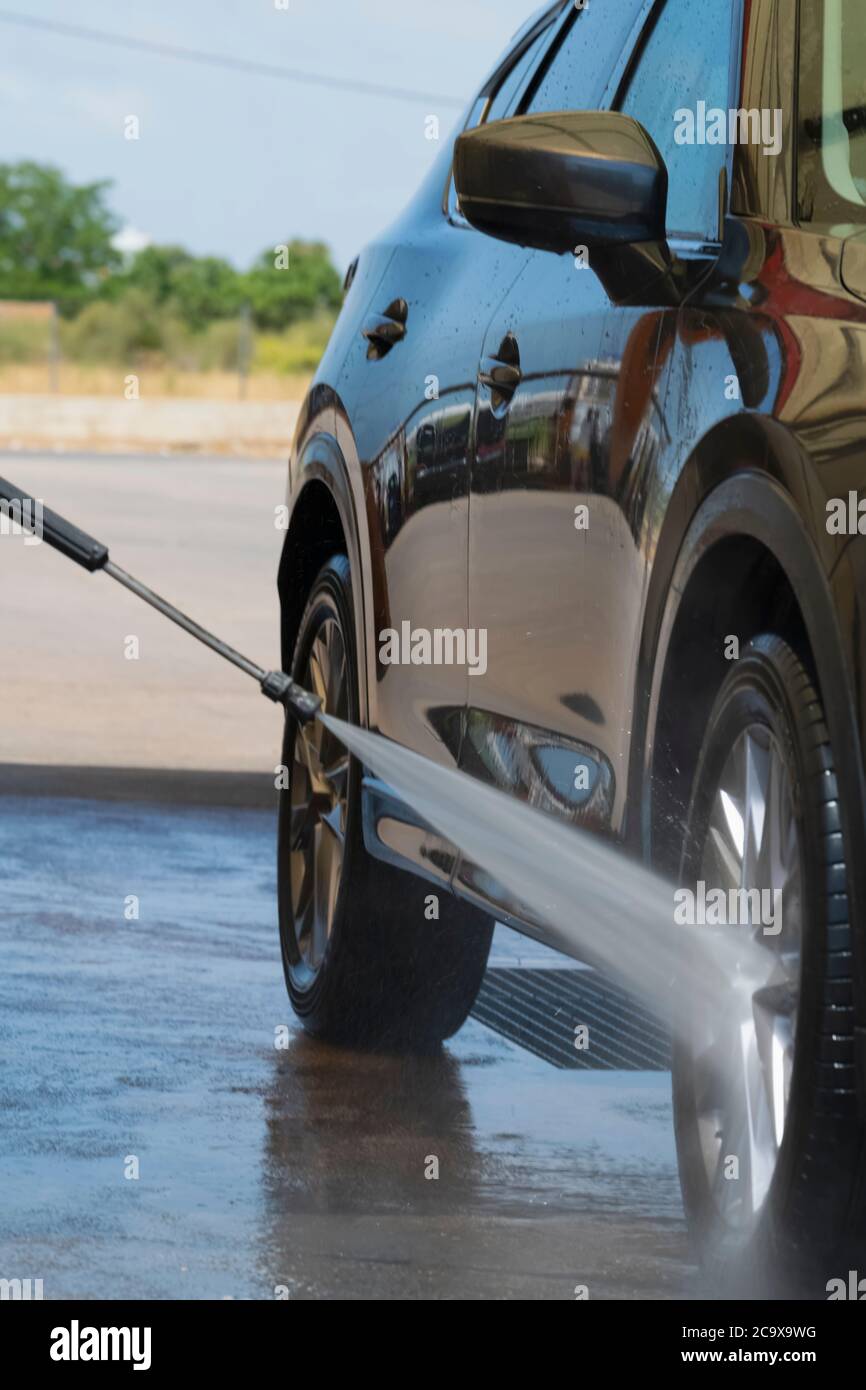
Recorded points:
408,387
566,475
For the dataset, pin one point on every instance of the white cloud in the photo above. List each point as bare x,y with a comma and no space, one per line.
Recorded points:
129,240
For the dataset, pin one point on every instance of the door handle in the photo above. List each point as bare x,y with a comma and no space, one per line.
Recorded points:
499,376
501,373
382,331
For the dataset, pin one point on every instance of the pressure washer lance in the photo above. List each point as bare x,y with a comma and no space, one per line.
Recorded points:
92,555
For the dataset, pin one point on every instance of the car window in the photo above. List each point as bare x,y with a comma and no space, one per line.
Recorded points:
499,97
505,100
681,79
831,148
575,77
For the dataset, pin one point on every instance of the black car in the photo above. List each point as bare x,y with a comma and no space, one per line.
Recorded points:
575,509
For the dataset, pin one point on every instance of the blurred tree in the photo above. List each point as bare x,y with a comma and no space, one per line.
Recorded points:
198,289
56,243
207,289
55,237
286,288
152,270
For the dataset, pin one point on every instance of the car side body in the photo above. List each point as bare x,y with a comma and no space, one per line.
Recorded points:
703,407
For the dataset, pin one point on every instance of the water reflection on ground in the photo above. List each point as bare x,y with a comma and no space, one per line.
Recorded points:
307,1168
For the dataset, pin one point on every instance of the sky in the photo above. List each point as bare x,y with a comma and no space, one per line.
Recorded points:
228,163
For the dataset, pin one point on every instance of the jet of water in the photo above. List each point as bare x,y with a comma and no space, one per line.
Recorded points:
596,903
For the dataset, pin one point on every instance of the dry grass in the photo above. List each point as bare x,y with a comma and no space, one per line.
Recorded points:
80,380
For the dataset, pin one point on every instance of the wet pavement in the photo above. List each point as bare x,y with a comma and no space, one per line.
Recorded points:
268,1164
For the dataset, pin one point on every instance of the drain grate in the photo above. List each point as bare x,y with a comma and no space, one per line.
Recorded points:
540,1010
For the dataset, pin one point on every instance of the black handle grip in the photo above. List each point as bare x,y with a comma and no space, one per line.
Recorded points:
55,530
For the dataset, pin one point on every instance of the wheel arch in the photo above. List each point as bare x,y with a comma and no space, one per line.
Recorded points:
749,488
744,502
322,522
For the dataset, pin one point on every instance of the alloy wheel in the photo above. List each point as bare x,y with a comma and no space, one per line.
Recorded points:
742,1047
319,805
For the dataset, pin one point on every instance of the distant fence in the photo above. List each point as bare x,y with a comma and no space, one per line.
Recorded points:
22,313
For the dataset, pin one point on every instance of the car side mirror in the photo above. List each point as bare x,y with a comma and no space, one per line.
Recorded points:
562,180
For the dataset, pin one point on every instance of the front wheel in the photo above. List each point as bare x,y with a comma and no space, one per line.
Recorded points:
769,1143
369,959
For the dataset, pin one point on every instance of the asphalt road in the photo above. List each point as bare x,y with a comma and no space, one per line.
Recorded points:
199,531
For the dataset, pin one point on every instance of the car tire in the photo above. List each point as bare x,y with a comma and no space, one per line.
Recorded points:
363,964
792,1224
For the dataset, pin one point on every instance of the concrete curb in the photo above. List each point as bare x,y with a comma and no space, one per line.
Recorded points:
179,424
161,786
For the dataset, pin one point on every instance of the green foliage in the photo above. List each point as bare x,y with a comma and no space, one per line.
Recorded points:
55,243
119,332
197,289
219,347
152,270
296,350
206,290
55,238
200,290
131,331
283,296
